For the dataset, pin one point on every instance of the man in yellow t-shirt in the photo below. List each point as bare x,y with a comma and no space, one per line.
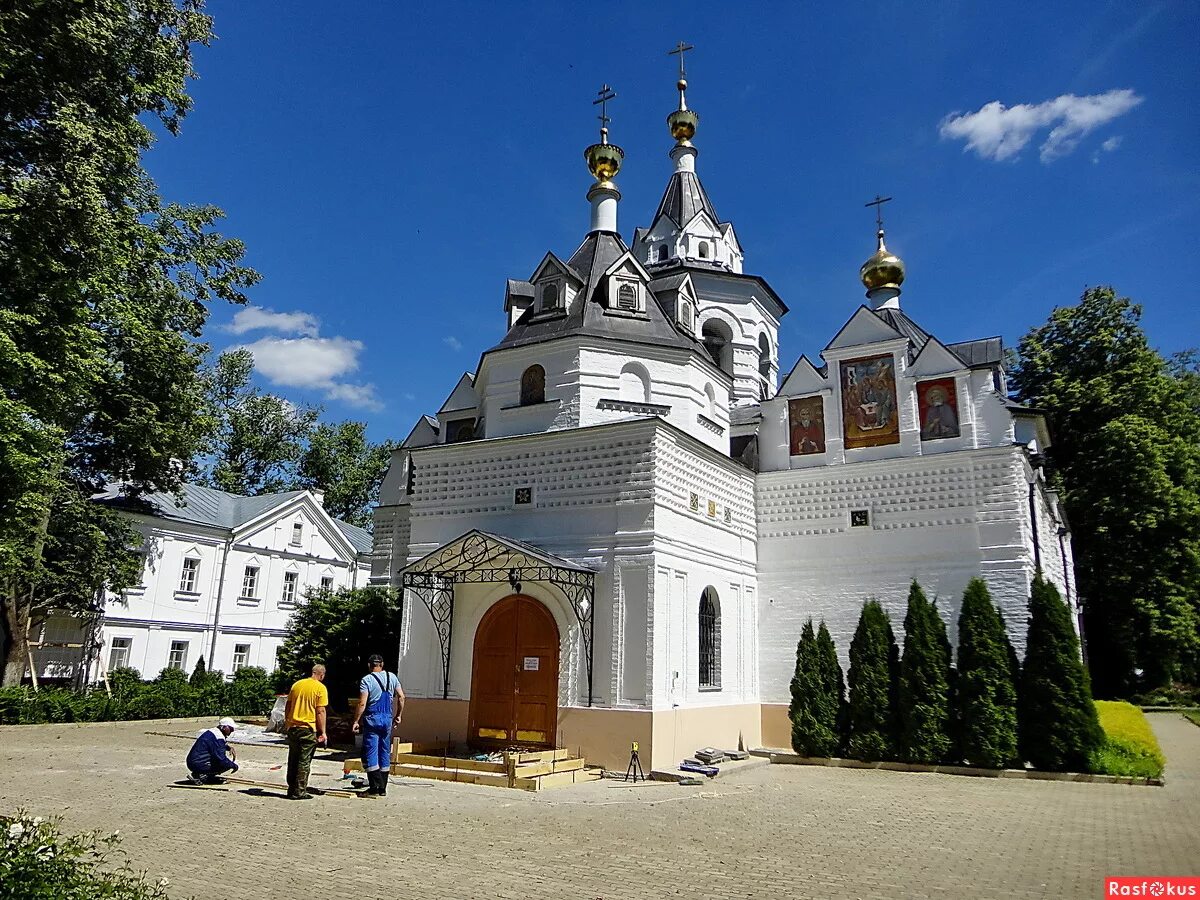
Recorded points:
304,722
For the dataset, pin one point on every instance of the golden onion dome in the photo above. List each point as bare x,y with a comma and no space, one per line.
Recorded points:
604,159
884,269
682,122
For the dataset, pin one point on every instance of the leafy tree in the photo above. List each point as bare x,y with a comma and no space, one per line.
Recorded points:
987,696
347,467
1059,727
104,289
871,714
258,438
814,707
924,684
341,629
1126,456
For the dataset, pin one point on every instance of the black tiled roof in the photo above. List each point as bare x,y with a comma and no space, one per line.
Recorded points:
982,353
683,198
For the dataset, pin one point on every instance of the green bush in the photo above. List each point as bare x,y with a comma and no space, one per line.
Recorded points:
37,861
170,696
815,707
1130,747
1058,727
924,688
987,696
870,718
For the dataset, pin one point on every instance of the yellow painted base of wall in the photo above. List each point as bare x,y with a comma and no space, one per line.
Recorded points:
603,736
776,726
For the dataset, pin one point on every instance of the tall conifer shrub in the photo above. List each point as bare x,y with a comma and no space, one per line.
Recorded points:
814,709
987,696
924,691
1059,727
870,726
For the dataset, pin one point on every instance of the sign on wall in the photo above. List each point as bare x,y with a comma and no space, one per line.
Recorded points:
937,403
806,420
869,413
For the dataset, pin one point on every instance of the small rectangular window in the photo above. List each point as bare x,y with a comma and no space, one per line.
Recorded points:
189,576
327,583
177,659
297,533
118,656
250,583
241,656
290,580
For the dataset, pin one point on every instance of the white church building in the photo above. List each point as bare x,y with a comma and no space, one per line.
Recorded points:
614,529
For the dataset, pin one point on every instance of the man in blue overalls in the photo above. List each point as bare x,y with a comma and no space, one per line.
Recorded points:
381,698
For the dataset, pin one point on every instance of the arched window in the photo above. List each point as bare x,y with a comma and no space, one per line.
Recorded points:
764,365
627,297
550,296
716,337
635,383
685,315
710,640
704,249
533,386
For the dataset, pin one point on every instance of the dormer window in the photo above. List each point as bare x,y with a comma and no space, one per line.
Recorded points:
533,386
662,252
703,250
550,297
685,315
627,297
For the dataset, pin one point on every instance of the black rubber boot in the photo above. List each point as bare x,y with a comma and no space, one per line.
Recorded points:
373,784
383,781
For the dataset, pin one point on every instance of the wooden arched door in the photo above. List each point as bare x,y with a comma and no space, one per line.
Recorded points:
514,675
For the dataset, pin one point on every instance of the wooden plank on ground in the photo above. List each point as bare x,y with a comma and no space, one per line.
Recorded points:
470,765
560,779
532,756
568,765
533,770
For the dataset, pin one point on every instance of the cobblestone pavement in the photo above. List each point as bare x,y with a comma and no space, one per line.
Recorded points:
770,831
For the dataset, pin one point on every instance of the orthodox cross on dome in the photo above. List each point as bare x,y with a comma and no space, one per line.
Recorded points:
680,49
878,204
602,97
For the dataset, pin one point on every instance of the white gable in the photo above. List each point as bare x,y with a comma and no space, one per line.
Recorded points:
803,379
627,264
463,396
550,266
935,359
864,327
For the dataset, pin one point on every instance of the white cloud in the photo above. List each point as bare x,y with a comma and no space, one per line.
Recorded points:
256,318
999,132
1112,143
452,342
355,395
314,362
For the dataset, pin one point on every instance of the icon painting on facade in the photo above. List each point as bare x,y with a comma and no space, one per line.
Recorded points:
806,419
937,404
869,413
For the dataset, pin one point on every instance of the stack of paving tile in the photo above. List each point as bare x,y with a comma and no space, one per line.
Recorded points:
526,770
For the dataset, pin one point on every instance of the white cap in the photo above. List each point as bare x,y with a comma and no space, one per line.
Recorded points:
227,723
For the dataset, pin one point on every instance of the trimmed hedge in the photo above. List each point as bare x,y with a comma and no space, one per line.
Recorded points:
170,696
1130,747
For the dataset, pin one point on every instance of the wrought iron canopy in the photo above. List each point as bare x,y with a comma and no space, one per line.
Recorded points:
480,557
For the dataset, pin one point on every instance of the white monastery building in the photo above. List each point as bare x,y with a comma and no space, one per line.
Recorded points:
223,573
615,528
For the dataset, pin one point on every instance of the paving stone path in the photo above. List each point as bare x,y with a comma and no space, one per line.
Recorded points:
770,831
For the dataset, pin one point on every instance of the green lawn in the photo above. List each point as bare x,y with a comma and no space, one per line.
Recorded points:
1193,714
1130,747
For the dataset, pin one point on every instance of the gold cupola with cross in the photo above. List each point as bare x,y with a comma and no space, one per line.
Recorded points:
883,273
604,162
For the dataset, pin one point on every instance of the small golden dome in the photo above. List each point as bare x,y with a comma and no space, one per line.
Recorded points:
884,269
682,123
604,159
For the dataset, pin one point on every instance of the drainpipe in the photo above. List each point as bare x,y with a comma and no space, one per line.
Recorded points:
212,652
1035,460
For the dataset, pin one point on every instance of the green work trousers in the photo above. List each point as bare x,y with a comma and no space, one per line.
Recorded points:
302,744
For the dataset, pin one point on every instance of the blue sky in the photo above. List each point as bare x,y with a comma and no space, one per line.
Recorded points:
388,166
